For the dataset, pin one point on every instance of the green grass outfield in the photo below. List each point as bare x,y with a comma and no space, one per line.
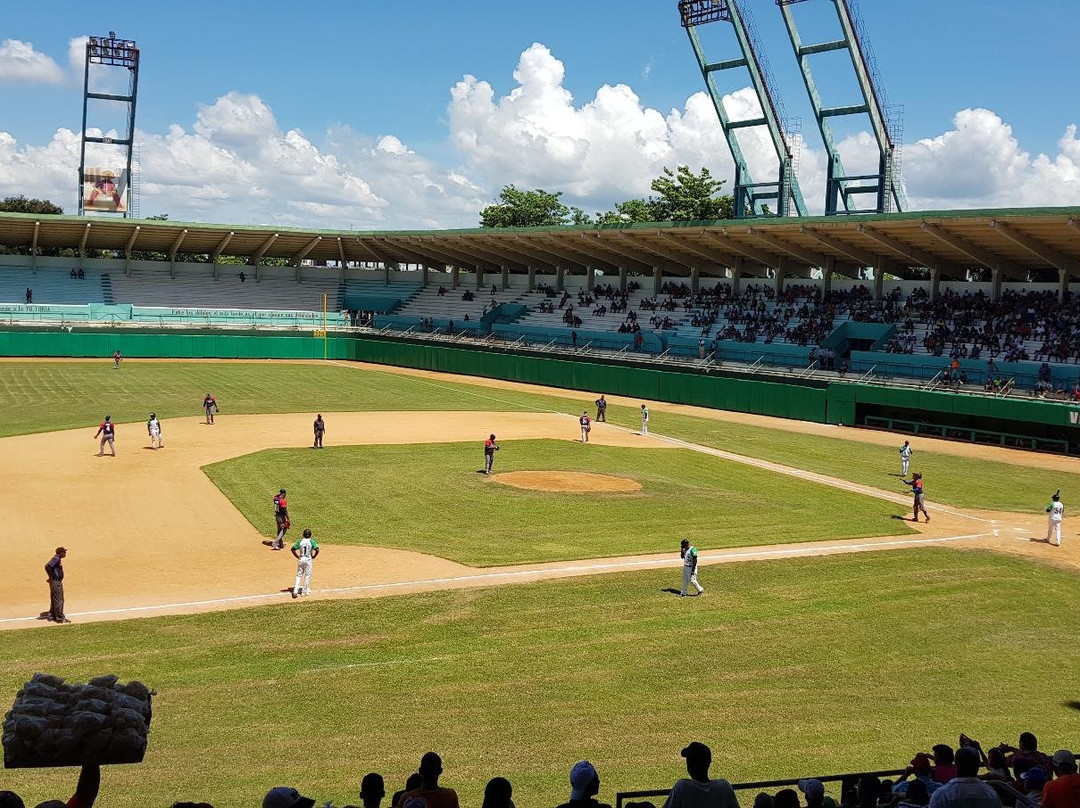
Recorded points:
787,668
428,497
45,396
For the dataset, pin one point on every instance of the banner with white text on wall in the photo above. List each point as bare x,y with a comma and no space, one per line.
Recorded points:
105,190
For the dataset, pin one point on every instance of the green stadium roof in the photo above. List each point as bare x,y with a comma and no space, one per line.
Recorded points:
1012,241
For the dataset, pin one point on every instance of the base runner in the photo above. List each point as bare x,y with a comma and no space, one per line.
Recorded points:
107,430
305,551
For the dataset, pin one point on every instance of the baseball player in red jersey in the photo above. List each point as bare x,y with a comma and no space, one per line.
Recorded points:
490,448
281,516
108,435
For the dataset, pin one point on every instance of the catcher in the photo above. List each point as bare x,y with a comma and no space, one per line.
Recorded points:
281,516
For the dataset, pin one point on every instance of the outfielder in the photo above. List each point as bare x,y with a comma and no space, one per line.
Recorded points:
905,458
918,504
108,435
153,429
586,425
688,552
490,448
1057,512
644,420
281,516
209,404
116,360
305,551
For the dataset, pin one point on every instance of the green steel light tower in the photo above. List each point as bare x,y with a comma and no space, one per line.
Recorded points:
781,197
844,190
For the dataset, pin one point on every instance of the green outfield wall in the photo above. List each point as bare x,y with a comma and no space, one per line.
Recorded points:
1028,423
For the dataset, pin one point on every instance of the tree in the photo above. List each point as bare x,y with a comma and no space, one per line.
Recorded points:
688,197
628,212
20,204
526,209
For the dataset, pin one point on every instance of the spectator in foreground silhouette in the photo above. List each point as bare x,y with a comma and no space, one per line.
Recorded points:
917,795
413,782
285,797
966,790
498,793
786,798
763,800
86,793
434,795
922,771
814,791
372,790
699,791
1028,751
584,786
1065,790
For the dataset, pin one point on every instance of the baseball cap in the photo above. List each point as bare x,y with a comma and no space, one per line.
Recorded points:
285,797
1035,777
581,777
812,788
921,761
282,491
696,750
61,549
1064,758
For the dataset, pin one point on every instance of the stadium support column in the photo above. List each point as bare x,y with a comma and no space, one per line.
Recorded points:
424,277
455,271
386,274
827,273
590,277
736,274
505,280
532,278
879,278
781,271
657,274
479,277
1063,284
622,278
935,282
695,279
995,284
559,277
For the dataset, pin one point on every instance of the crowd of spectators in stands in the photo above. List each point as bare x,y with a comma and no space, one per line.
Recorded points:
967,777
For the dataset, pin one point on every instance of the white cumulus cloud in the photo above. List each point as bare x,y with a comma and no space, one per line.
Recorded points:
21,63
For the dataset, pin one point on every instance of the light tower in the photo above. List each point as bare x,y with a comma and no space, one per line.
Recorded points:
844,191
782,196
104,185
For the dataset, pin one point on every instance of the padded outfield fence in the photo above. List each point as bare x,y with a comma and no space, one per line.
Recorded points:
1010,421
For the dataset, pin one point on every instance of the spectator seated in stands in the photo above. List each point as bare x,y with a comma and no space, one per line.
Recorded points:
699,790
966,790
498,793
467,295
412,782
916,796
921,769
442,291
74,275
372,791
242,276
584,786
1065,790
433,795
285,797
786,798
493,289
1027,751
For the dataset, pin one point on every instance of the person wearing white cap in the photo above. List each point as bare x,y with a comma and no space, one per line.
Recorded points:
285,797
584,786
699,791
1064,791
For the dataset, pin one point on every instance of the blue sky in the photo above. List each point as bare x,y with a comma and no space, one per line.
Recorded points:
381,68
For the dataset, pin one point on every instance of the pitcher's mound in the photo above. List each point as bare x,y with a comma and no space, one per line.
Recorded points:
574,482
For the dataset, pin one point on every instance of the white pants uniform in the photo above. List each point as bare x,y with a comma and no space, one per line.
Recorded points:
303,570
904,462
584,434
689,578
645,424
155,439
1053,531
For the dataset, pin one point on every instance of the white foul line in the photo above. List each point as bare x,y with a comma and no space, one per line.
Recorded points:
554,571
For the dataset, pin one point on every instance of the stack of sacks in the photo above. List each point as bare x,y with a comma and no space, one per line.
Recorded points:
53,723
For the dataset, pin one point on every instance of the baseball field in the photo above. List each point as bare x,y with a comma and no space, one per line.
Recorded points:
521,621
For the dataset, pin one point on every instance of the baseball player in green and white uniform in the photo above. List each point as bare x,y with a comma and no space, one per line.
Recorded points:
304,550
689,570
644,420
905,458
1057,513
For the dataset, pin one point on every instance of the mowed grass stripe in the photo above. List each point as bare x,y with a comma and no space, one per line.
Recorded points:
786,667
429,498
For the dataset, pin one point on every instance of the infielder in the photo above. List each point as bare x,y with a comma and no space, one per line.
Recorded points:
688,552
905,458
1057,512
153,429
586,425
108,435
281,517
490,448
320,428
209,404
644,420
306,550
918,504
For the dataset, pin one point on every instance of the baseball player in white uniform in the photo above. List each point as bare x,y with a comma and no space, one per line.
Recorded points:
1057,512
153,429
305,550
644,420
689,570
905,458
